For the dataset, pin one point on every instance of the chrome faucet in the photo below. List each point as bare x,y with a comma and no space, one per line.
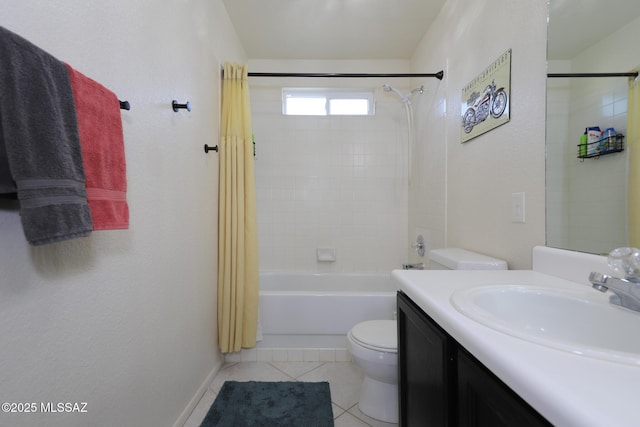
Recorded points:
418,266
626,292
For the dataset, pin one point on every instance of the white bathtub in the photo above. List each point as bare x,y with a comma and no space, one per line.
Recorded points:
317,310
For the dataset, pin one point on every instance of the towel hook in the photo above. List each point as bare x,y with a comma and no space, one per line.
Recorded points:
124,105
207,148
176,106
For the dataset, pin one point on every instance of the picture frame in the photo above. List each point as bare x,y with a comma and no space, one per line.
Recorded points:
486,100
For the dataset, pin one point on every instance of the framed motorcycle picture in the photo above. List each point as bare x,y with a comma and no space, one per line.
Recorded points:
485,100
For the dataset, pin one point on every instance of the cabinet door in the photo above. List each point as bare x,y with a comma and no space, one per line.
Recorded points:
485,401
425,361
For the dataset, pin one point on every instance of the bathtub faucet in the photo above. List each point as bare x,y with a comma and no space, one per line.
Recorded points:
418,266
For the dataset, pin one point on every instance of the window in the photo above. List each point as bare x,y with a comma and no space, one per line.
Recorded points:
327,102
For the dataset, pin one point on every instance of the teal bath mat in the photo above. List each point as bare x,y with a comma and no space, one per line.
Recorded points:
271,404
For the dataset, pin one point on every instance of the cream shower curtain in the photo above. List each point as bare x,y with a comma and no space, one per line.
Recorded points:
633,144
237,245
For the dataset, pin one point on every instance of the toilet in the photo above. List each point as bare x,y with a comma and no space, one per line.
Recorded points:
462,259
373,344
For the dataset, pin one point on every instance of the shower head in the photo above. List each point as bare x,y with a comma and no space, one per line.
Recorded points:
389,88
405,98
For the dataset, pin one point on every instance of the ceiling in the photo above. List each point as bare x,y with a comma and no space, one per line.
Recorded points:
575,25
331,29
392,29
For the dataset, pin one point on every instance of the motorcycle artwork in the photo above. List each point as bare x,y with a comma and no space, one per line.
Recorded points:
491,102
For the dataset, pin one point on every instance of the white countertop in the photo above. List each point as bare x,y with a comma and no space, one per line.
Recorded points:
569,390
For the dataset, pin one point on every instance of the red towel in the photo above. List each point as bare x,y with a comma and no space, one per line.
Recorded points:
102,144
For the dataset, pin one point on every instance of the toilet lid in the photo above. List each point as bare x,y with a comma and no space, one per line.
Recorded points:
381,334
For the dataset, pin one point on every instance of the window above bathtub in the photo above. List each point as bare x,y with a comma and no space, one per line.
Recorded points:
327,102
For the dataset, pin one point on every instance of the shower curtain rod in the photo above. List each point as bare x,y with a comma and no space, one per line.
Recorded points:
631,74
437,75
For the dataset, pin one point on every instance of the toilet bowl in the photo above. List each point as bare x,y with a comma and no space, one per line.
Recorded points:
374,348
374,344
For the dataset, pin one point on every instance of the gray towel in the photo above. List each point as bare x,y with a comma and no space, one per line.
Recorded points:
39,143
7,185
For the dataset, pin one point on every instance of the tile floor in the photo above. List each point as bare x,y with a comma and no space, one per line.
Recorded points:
344,381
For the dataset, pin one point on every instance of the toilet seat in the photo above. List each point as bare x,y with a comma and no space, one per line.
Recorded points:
378,335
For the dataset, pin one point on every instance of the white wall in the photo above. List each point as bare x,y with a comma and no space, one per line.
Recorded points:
124,320
337,182
480,176
561,151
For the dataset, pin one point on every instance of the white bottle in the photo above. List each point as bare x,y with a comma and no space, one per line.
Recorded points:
594,134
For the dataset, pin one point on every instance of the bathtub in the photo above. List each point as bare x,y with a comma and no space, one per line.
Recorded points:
307,310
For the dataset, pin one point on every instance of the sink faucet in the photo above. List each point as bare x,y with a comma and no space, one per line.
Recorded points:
624,262
418,266
626,291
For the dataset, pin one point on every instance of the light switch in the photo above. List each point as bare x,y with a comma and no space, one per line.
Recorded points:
517,207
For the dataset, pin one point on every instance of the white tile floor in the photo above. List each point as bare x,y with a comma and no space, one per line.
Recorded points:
344,380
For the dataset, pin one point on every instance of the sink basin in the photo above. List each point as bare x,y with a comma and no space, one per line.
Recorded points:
580,321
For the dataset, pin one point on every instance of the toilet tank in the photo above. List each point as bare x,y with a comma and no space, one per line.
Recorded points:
462,259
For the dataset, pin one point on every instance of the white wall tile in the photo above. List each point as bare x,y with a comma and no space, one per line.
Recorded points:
330,181
343,355
295,355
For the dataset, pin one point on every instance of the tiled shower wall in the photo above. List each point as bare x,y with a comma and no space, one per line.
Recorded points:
586,199
598,187
330,182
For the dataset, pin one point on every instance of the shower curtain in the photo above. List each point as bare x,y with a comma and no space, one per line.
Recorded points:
237,244
633,144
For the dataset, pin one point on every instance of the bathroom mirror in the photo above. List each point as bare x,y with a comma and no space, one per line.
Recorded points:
587,198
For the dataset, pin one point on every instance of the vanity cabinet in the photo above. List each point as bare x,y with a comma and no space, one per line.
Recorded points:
425,394
442,384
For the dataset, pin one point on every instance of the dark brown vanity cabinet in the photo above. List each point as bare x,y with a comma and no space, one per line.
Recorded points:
426,395
441,384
